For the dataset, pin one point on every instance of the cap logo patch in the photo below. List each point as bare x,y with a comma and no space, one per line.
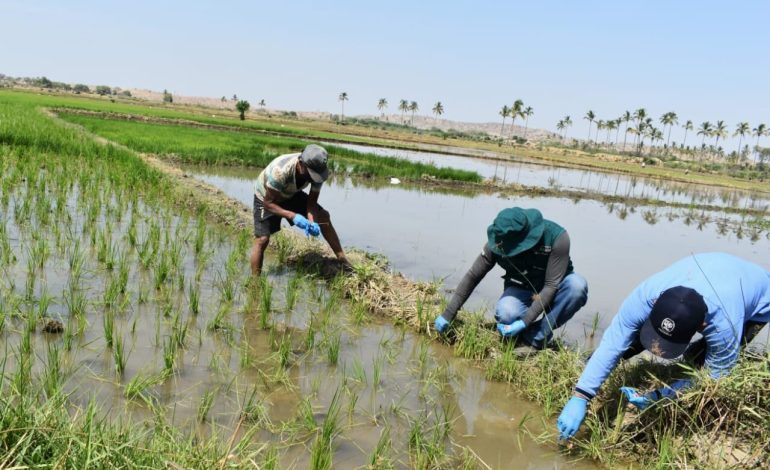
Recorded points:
667,325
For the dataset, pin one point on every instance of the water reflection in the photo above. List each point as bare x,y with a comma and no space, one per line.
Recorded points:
537,175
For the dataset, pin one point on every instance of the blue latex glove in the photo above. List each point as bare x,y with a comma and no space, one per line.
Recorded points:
300,221
670,391
509,331
639,401
312,230
572,417
441,324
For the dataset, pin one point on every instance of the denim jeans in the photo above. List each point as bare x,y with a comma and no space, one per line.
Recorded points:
571,295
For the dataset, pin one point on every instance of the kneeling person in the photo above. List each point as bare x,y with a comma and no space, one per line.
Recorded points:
278,195
724,298
541,290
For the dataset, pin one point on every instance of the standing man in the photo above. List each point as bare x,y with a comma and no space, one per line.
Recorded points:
278,195
539,279
724,298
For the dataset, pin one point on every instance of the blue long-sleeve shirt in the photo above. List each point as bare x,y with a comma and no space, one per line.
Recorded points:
735,291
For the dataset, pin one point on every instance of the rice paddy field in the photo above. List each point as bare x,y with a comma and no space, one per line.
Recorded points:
134,336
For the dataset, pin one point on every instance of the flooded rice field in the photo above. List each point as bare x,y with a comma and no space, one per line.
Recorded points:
611,184
429,235
153,315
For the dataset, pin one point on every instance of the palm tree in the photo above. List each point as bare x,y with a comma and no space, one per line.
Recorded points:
567,125
342,98
505,111
403,106
640,115
626,118
705,130
759,131
262,103
242,106
599,126
741,129
438,109
611,125
382,103
719,131
618,123
687,127
413,106
669,119
528,111
560,126
517,110
590,117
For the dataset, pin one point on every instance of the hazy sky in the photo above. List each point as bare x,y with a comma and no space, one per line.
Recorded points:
706,60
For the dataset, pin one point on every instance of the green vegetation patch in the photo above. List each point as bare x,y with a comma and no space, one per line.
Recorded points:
223,147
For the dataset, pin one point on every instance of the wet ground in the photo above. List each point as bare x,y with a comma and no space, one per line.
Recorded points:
429,235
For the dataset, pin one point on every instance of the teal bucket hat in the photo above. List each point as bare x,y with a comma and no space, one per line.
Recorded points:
515,230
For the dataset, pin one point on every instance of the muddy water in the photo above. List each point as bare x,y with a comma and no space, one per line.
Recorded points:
429,235
537,175
420,385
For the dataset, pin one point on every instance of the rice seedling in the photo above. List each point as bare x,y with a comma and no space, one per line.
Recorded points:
219,322
379,458
322,449
255,410
284,352
108,323
265,302
141,382
194,298
292,288
333,342
53,374
119,355
169,355
206,402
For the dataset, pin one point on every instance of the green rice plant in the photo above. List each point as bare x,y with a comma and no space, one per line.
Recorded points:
43,302
282,247
169,355
194,298
322,449
359,311
52,374
292,288
108,323
219,322
379,458
77,261
68,336
76,302
284,352
119,355
200,235
179,329
474,341
377,363
265,301
309,341
141,382
333,347
206,402
255,410
31,280
358,373
270,459
162,271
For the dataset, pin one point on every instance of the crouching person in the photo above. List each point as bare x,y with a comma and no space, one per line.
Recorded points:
724,298
278,194
541,290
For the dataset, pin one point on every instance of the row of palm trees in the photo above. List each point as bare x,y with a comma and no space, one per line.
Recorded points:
641,127
518,110
409,106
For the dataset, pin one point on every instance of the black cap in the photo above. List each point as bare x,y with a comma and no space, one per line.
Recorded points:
676,316
314,157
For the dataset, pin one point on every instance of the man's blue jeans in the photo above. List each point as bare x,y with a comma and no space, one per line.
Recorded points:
570,297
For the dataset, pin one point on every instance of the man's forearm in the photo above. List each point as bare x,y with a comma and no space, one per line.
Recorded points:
277,210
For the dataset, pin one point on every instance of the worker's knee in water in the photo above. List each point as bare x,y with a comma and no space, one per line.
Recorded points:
509,309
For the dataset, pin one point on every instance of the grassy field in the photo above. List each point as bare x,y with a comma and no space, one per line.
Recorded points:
92,235
692,172
220,147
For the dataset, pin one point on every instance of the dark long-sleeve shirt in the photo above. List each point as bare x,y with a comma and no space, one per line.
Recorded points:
556,270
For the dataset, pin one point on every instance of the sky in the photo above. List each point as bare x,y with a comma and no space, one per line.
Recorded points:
705,60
